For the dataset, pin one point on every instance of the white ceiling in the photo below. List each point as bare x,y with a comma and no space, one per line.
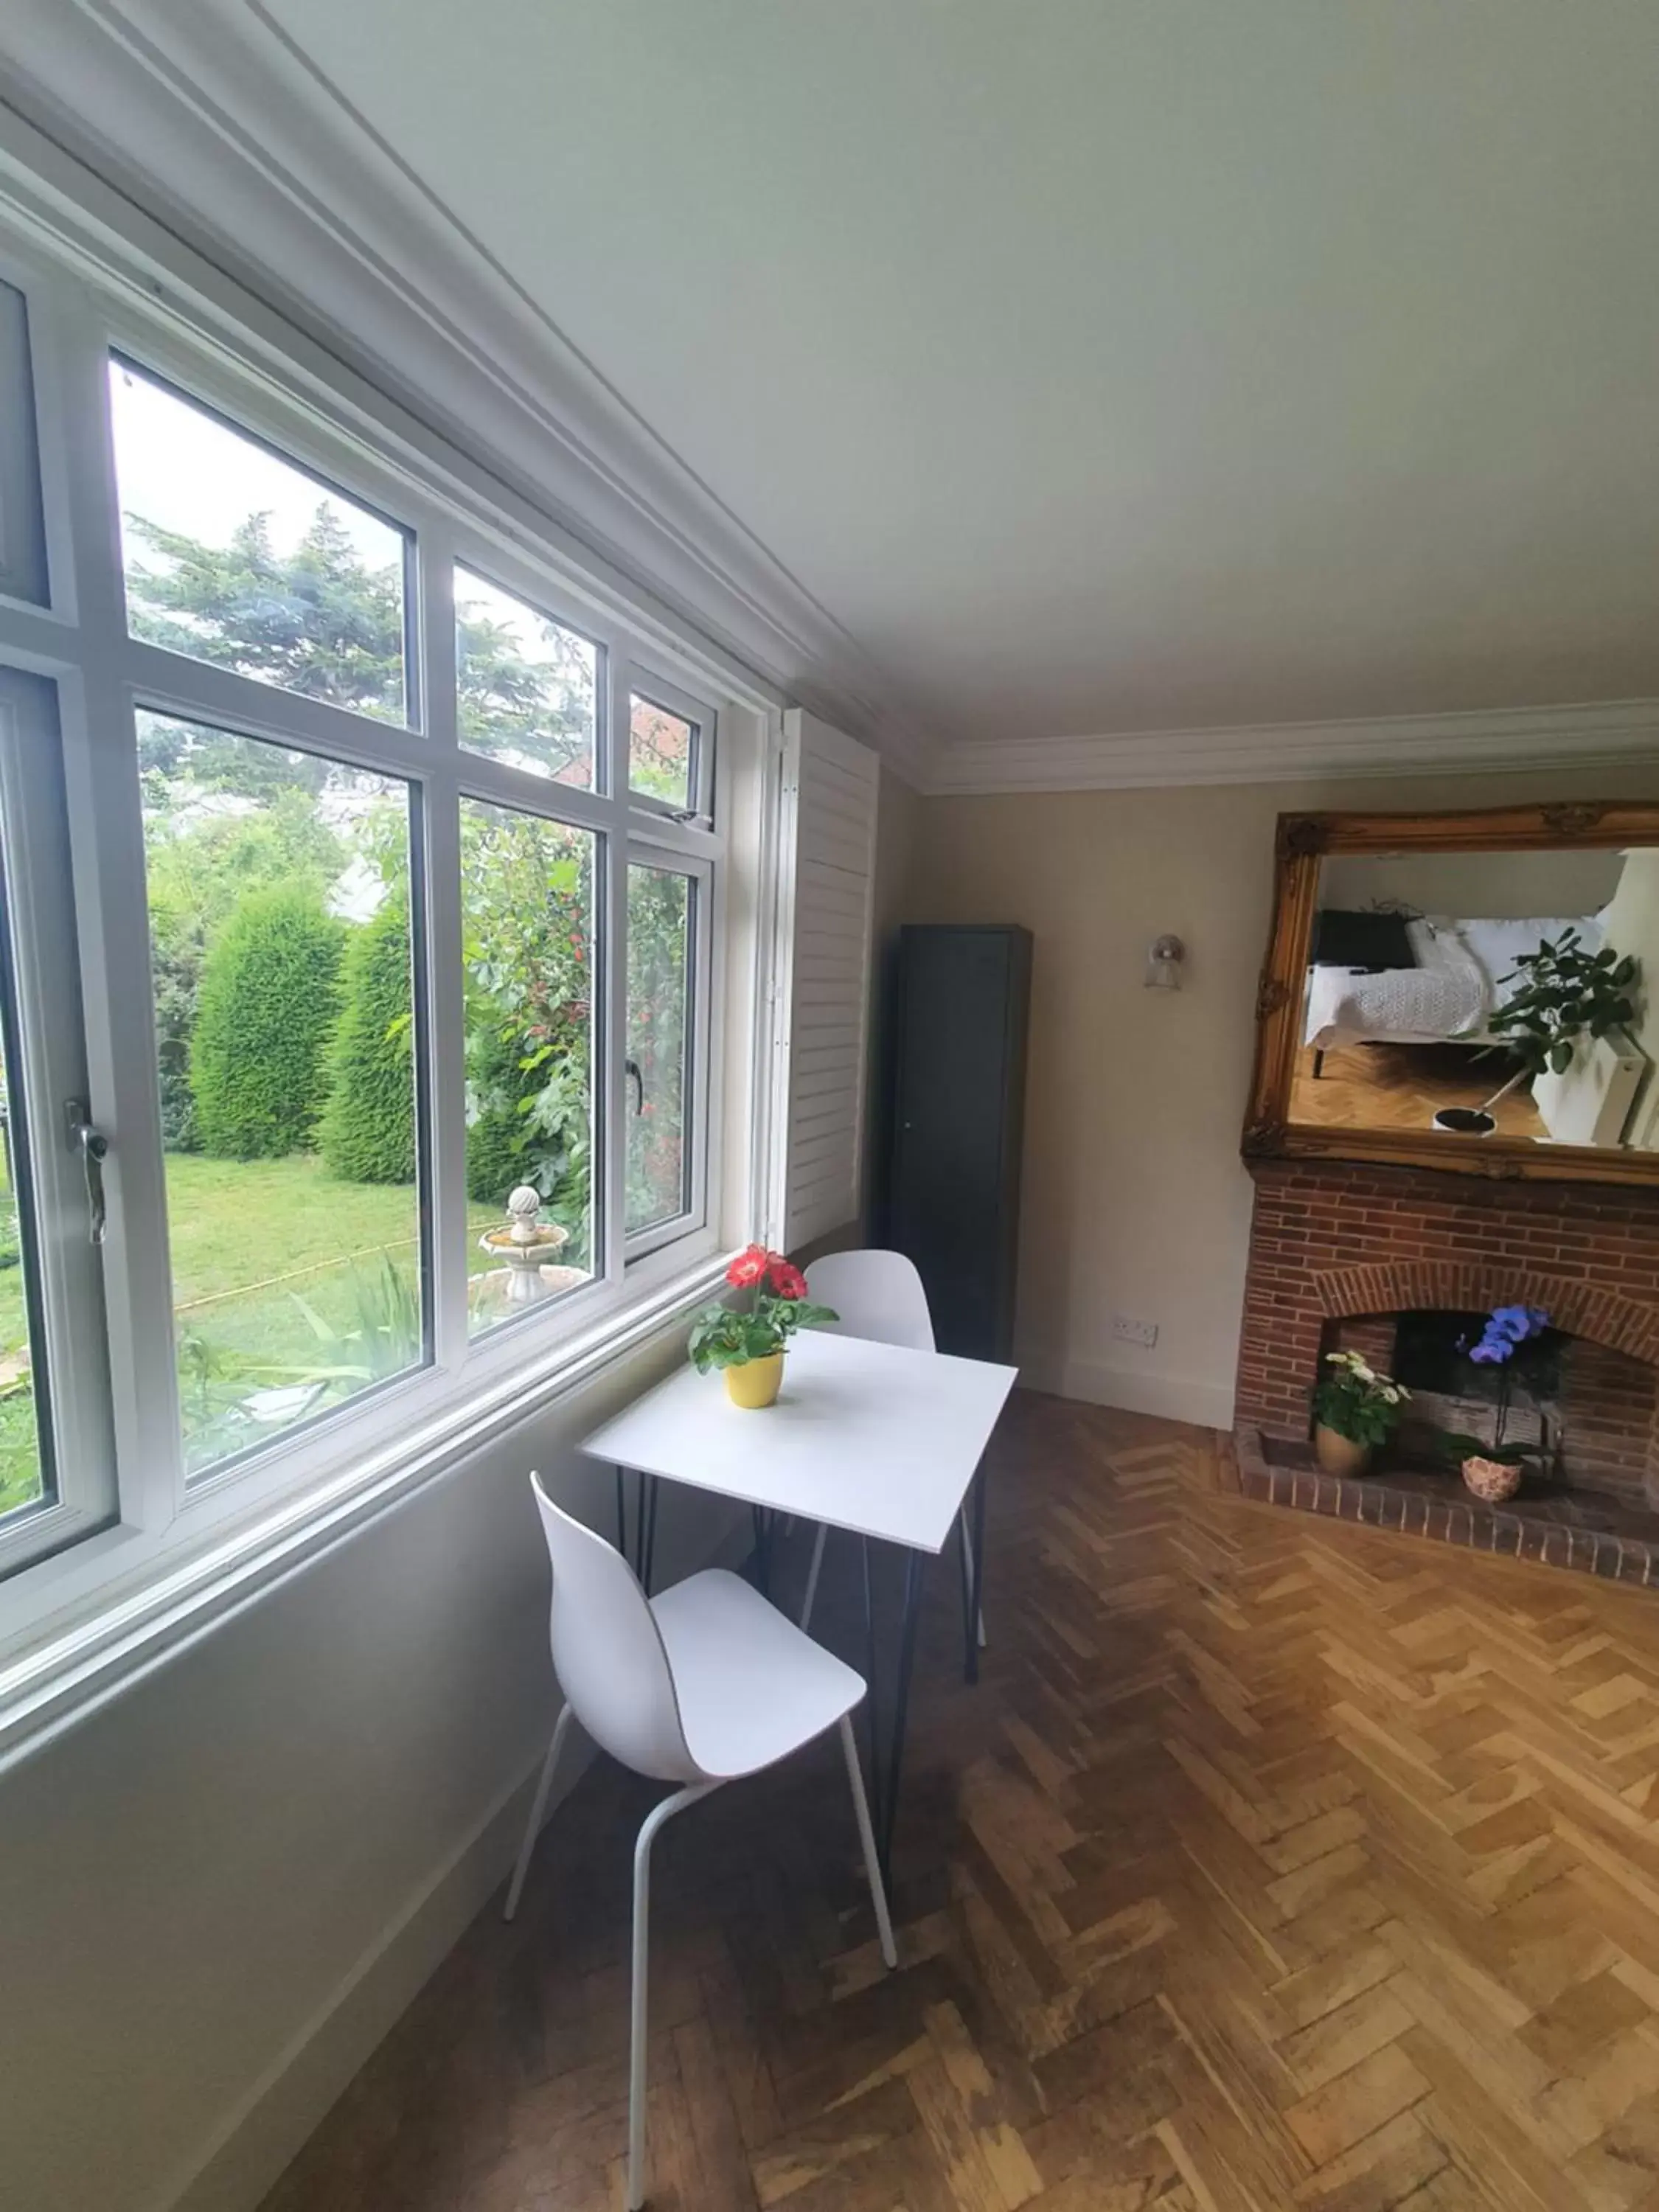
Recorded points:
1104,366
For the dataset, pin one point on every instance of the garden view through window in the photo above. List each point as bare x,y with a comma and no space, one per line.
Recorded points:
236,556
282,964
23,1477
661,922
527,892
528,686
407,1088
662,753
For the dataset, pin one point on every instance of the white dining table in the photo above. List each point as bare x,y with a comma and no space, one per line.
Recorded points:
874,1439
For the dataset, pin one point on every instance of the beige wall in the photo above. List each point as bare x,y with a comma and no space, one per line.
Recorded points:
1135,1200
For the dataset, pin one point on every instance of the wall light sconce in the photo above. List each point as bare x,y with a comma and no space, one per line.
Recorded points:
1164,957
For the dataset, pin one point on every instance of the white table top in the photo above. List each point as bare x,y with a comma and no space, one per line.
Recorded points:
867,1436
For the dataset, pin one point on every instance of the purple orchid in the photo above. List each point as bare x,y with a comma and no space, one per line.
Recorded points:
1507,1327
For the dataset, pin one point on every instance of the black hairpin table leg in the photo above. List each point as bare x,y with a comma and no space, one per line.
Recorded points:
871,1696
761,1557
651,1492
976,1611
915,1565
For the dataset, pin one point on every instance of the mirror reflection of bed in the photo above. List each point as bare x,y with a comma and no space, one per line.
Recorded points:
1414,955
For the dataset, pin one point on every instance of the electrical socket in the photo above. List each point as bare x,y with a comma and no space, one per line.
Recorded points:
1126,1329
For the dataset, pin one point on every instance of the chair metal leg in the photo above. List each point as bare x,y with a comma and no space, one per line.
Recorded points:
654,1819
867,1838
538,1808
812,1575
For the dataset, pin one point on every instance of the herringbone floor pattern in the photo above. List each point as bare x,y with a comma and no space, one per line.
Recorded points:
1275,1862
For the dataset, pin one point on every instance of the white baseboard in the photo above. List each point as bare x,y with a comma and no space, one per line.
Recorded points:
264,2131
1169,1397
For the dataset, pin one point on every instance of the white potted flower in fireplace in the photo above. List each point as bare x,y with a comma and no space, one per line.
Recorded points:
1355,1409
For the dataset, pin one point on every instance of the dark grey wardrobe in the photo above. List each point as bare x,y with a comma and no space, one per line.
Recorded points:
956,1058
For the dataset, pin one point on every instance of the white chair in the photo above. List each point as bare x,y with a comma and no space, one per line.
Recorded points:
879,1295
701,1685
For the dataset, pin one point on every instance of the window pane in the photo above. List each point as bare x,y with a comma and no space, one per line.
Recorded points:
660,920
527,690
281,955
528,889
25,1473
22,518
662,752
235,555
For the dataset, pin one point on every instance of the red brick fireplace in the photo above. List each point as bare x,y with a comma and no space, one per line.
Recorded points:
1339,1251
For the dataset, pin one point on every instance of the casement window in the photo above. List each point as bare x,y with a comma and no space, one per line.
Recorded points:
362,862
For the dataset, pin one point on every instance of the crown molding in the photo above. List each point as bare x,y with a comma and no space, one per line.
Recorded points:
1602,734
205,121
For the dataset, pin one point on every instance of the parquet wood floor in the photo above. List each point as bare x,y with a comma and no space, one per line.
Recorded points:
1275,1863
1403,1086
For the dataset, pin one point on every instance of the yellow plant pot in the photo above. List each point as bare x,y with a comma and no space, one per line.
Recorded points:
755,1383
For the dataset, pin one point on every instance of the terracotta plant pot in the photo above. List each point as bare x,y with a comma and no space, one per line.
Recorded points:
1491,1480
1340,1455
755,1383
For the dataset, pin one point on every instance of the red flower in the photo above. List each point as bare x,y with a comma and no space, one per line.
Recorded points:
785,1279
749,1266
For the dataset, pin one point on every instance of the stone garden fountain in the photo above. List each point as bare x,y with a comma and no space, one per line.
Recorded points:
526,1242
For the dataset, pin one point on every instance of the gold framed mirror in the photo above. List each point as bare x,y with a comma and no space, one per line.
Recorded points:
1477,991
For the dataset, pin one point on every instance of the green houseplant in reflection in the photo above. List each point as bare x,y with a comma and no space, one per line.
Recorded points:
1564,997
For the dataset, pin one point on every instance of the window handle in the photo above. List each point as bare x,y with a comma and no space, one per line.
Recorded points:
635,1074
94,1147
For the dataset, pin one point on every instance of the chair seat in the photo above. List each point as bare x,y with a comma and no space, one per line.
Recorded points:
751,1687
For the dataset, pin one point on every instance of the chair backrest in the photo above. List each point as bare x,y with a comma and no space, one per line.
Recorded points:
877,1294
608,1651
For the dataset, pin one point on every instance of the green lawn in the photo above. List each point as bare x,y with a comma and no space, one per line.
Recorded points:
250,1240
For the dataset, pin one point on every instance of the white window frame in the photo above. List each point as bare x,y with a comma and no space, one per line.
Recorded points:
62,1278
656,691
339,431
702,875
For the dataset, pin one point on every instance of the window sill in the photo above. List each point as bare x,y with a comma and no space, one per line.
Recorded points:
68,1671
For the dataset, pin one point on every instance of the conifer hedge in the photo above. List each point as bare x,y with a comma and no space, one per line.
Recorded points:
367,1131
497,1132
265,1011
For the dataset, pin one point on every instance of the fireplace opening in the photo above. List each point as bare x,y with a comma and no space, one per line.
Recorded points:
1586,1414
1402,1268
1453,1392
1431,1352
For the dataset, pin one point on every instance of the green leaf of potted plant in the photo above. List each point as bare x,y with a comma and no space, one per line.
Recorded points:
747,1343
1355,1409
1564,997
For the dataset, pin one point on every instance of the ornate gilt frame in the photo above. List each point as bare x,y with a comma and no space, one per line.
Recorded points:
1302,840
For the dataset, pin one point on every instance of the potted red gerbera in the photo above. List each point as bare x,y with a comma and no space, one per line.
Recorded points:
746,1342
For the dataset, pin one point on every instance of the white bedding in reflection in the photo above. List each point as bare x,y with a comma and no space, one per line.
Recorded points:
1448,994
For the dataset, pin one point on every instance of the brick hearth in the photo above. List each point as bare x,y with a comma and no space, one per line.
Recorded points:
1338,1249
